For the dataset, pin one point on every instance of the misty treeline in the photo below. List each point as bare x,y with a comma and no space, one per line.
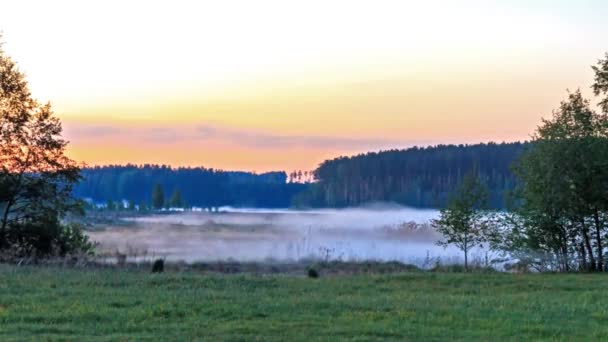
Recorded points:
196,186
36,178
558,218
418,176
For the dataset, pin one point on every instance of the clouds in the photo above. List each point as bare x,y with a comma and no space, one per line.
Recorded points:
194,134
261,139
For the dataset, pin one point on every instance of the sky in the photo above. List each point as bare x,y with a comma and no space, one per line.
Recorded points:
283,85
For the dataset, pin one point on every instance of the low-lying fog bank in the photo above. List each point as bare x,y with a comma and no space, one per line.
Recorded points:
389,234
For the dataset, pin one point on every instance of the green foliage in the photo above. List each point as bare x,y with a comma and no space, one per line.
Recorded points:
564,187
463,223
72,240
176,199
47,238
600,85
45,304
36,177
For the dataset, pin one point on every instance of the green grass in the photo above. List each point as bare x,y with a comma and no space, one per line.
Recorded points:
67,304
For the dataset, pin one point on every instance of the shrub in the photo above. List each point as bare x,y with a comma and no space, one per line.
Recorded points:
48,237
158,266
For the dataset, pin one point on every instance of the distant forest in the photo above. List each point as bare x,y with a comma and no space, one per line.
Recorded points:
418,177
198,186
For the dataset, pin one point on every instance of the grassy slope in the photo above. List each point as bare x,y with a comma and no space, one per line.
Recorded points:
50,303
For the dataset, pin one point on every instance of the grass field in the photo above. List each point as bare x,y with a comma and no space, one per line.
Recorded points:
66,304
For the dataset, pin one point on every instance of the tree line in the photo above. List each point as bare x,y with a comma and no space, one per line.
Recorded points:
144,185
418,176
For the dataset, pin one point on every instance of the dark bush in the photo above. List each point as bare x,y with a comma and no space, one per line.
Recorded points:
158,266
48,237
312,273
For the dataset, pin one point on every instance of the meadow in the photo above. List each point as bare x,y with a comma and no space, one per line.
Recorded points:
56,303
255,235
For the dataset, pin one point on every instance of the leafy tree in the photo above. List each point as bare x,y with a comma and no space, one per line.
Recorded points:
462,222
600,85
158,197
564,180
176,199
36,177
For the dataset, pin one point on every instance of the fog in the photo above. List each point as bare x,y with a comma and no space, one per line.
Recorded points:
375,233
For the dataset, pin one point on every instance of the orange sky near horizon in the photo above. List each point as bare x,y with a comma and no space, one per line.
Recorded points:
281,85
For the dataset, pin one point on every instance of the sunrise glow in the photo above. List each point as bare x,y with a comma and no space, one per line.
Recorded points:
282,85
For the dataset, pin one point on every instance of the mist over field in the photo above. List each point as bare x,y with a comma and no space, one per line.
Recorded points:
376,233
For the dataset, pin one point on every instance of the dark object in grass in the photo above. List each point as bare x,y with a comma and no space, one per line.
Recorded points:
158,266
312,273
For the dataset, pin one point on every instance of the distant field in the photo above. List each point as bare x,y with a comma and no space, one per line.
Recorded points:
254,235
66,304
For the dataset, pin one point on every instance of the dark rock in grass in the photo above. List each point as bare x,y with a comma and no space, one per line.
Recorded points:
312,273
158,266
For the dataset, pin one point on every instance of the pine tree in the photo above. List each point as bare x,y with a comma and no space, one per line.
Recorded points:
110,205
176,199
158,197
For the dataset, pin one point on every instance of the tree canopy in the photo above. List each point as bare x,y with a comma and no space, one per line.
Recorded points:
36,177
462,222
562,196
418,176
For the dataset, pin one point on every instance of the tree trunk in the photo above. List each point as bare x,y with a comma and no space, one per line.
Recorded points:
564,238
10,203
589,249
598,238
4,224
566,260
583,266
466,258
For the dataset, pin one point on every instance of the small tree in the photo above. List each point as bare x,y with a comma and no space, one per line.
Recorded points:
131,206
176,199
143,206
462,222
110,205
158,197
